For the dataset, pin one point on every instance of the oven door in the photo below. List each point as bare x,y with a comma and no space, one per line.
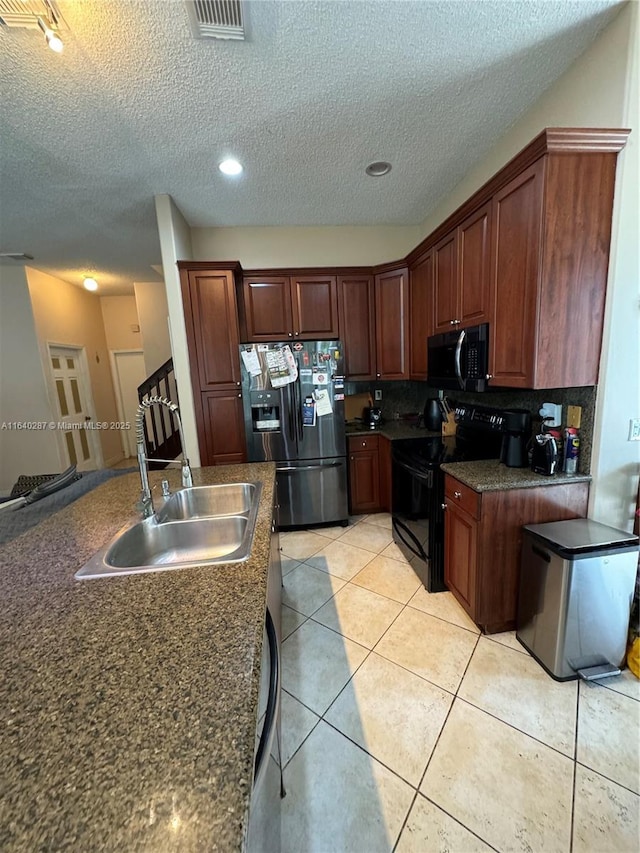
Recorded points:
418,521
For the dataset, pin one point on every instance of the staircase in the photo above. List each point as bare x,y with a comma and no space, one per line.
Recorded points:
160,430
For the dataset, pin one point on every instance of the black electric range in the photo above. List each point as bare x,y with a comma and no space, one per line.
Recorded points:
418,486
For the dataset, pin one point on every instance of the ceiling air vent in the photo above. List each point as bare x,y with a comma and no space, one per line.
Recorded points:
25,13
216,19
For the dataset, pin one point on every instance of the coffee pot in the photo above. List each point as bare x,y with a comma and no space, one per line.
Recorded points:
433,415
516,436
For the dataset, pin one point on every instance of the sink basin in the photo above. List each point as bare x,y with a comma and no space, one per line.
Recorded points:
196,527
208,502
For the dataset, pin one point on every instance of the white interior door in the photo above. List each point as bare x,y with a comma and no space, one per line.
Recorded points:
128,372
73,400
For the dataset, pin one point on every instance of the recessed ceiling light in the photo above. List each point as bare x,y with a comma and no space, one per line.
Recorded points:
90,283
380,167
230,167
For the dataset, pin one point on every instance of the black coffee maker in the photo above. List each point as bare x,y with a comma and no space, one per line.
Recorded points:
516,436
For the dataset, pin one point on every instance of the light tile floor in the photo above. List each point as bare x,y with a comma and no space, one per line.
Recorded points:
404,729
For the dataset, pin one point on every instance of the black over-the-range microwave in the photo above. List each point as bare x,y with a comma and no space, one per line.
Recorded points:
459,360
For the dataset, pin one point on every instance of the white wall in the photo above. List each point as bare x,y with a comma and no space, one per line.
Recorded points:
305,247
120,317
153,313
599,90
23,393
175,245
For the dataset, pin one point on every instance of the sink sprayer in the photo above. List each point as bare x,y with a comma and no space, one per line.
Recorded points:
146,501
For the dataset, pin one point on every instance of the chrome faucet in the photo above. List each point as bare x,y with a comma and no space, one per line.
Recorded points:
146,501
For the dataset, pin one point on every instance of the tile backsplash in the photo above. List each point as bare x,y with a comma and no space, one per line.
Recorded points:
401,398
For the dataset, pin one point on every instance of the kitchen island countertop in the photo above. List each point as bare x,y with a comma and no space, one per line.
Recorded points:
489,475
129,703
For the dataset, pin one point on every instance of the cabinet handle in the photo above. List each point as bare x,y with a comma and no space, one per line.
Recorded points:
238,384
457,495
489,376
364,443
290,334
378,375
240,395
452,322
351,458
444,506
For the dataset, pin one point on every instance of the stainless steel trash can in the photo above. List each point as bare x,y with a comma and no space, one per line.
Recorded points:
577,580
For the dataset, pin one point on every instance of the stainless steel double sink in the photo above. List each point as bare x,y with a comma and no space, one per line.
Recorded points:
197,526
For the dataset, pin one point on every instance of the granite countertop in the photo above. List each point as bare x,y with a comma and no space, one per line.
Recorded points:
489,475
393,430
129,704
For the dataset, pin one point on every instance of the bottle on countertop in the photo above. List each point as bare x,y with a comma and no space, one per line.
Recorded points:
571,449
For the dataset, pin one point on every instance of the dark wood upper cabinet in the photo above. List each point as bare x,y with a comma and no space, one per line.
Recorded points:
445,283
314,300
474,268
209,299
392,324
462,274
267,308
356,308
517,229
277,308
420,314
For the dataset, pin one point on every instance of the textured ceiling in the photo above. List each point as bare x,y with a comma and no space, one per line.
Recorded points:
135,106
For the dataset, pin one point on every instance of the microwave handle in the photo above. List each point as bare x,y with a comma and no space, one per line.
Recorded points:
457,359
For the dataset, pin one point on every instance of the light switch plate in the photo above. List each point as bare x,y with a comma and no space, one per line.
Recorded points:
634,429
377,394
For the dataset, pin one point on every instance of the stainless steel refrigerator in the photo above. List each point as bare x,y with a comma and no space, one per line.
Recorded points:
293,398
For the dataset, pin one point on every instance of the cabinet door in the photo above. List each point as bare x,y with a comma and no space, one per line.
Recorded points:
445,283
421,321
460,556
517,225
356,304
474,272
223,428
364,481
392,324
314,301
211,313
267,307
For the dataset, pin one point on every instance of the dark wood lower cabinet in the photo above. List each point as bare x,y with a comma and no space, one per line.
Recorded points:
483,540
369,474
223,420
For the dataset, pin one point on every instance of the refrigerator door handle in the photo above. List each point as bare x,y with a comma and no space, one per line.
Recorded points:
290,414
289,469
297,395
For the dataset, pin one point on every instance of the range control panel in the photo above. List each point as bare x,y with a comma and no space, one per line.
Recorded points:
481,417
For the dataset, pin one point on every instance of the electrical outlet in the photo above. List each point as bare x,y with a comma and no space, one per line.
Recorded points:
634,429
377,394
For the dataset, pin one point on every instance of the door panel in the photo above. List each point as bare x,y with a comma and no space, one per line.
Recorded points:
267,305
312,492
475,267
71,395
460,556
421,319
224,428
364,481
517,224
392,324
213,304
314,302
445,283
357,326
130,372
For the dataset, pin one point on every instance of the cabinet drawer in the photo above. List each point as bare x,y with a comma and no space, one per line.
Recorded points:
462,496
358,443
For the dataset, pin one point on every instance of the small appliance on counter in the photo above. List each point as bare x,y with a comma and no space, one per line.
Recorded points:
372,417
433,415
515,441
545,457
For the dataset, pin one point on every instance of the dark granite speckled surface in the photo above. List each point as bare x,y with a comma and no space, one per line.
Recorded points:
128,704
393,430
488,475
